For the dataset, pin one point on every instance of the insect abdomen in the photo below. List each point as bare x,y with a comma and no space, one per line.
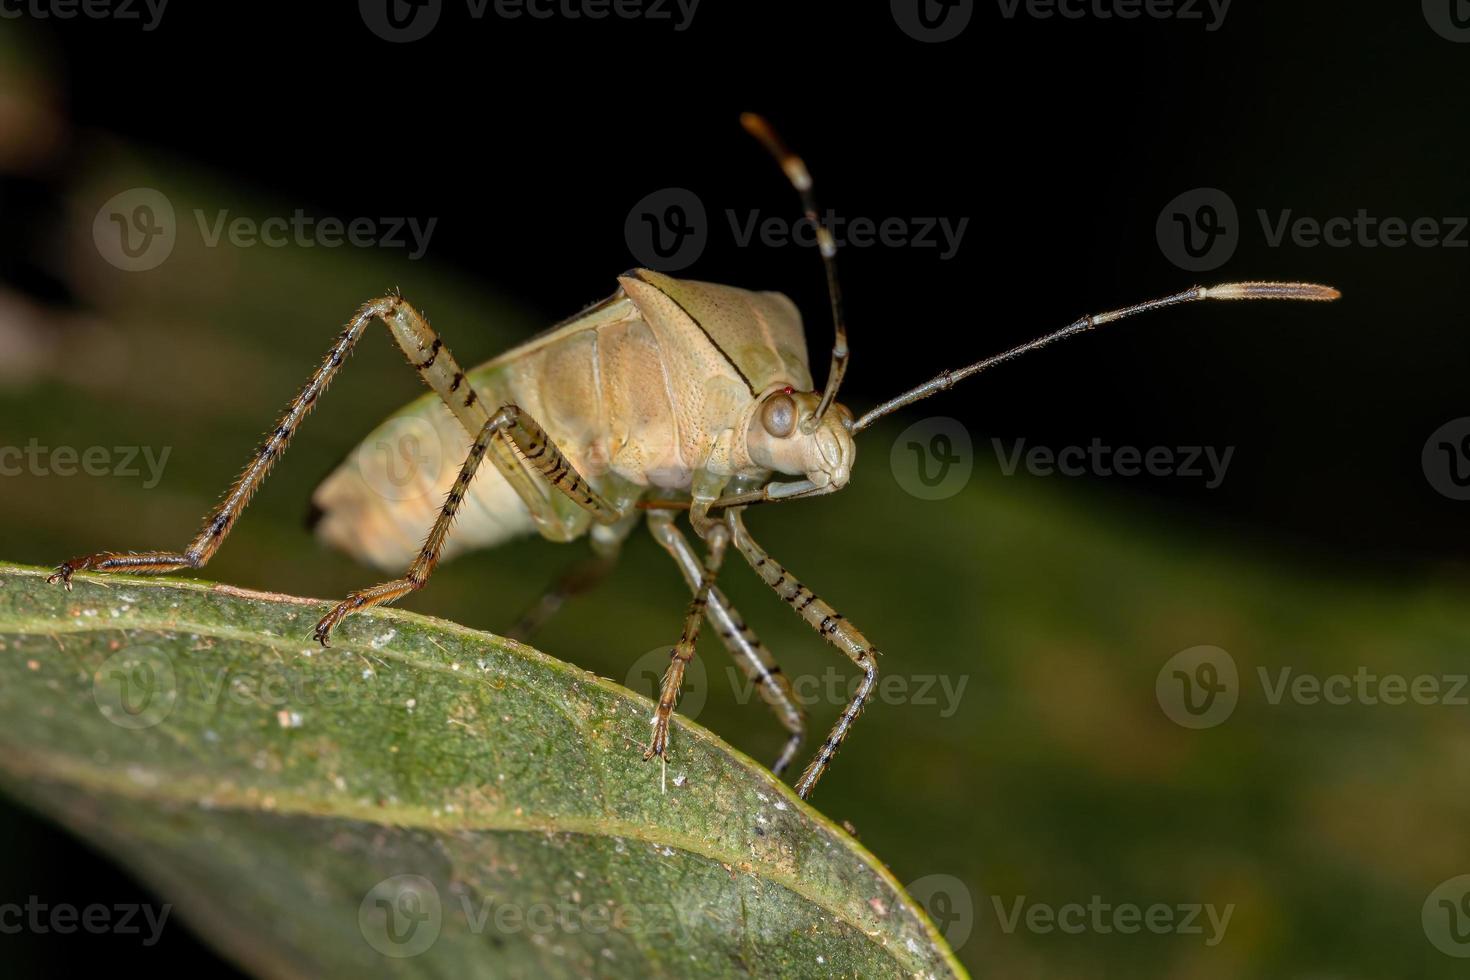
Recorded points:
381,501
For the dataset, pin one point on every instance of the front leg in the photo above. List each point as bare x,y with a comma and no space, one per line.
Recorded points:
749,653
683,651
829,624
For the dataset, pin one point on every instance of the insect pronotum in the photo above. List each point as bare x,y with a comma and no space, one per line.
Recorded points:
669,396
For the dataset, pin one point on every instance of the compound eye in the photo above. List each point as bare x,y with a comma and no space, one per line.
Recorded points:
779,415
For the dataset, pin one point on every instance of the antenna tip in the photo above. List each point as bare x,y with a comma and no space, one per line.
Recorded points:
792,164
1309,291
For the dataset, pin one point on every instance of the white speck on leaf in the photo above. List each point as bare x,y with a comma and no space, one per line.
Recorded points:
142,776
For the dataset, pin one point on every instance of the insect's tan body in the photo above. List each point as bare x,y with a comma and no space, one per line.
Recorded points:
648,389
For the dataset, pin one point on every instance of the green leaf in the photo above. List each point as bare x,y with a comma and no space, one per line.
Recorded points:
420,799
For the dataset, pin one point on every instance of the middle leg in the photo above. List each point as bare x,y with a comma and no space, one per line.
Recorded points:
583,576
522,451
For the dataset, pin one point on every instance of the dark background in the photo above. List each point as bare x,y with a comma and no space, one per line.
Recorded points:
1060,140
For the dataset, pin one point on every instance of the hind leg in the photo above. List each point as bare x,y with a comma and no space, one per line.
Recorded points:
426,353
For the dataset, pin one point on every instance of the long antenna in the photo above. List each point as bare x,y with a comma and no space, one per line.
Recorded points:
1230,290
801,179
